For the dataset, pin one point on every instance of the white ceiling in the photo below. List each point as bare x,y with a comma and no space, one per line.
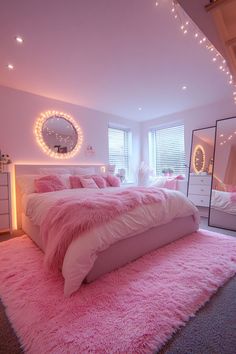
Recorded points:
109,55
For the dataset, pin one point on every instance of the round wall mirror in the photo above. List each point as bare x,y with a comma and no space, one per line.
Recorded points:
58,134
198,159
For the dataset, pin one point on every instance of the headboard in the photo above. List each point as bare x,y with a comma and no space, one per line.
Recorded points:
24,169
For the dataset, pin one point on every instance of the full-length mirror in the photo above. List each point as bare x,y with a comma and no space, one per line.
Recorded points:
223,195
200,169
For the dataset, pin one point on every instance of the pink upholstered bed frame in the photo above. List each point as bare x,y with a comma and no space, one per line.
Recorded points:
123,251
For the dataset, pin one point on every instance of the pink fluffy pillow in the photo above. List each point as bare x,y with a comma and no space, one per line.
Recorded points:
180,177
48,184
100,181
88,183
75,182
113,181
170,184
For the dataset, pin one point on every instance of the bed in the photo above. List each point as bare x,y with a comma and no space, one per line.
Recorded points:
222,210
144,229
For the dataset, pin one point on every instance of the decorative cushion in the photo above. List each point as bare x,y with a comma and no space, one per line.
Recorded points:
180,177
113,181
170,184
65,180
99,180
48,184
26,183
75,182
88,183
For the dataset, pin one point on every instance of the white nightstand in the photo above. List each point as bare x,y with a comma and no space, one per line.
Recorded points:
199,192
200,189
5,202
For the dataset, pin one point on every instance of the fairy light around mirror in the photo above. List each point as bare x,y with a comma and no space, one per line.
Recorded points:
58,134
199,159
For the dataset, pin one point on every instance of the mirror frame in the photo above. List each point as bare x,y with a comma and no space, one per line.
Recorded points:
213,170
191,148
40,140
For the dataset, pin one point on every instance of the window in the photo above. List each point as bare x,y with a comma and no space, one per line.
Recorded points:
166,150
119,149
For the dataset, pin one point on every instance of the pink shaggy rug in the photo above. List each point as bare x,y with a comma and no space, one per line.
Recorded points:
135,309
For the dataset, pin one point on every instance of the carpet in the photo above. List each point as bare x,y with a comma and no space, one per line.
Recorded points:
135,309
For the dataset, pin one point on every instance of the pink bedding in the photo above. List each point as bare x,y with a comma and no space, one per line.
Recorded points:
70,217
84,249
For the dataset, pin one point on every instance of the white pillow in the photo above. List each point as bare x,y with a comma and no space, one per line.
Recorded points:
55,171
84,171
26,183
65,179
159,181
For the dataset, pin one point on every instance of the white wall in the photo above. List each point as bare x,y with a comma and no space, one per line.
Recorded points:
200,117
19,111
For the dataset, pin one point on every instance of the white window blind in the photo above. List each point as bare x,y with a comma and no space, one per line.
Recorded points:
119,148
166,150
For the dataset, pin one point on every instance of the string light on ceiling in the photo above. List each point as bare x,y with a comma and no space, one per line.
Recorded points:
187,26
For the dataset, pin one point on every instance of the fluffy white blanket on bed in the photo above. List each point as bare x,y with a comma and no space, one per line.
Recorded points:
83,251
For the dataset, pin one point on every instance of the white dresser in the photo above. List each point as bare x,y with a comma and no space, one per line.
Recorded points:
5,202
199,189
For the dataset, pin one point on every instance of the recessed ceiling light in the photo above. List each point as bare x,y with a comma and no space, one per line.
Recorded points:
10,66
184,88
140,108
19,39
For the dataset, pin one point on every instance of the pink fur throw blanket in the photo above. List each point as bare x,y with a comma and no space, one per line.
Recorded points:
72,216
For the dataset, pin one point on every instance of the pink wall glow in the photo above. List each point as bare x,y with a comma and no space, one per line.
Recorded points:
19,111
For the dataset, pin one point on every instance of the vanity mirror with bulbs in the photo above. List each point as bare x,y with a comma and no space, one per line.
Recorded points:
201,167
